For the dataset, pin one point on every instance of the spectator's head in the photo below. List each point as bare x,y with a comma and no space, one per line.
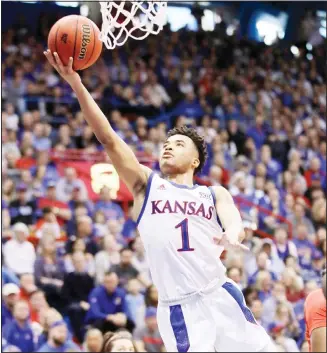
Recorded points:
48,246
10,294
84,226
250,294
78,246
93,340
256,308
315,164
265,154
42,158
283,314
105,194
319,211
215,174
110,281
151,319
58,333
291,280
289,201
299,210
261,170
121,341
263,281
48,215
133,286
51,190
27,283
21,232
184,150
21,192
259,119
138,246
21,311
110,243
70,174
291,262
301,231
126,256
262,260
310,286
266,247
38,301
151,296
280,235
114,227
79,263
235,274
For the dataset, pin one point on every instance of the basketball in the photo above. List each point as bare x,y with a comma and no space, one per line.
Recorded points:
77,37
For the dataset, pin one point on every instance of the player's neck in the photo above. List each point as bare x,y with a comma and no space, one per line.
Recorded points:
182,179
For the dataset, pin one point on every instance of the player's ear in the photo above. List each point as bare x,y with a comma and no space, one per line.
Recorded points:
196,163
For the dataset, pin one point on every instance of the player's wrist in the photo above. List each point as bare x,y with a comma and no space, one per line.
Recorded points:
75,83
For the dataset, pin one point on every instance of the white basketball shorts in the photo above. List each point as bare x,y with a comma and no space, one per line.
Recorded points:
216,322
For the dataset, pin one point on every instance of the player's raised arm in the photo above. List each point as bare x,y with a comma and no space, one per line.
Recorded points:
229,216
121,155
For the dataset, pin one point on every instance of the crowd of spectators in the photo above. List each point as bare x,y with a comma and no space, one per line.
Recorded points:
262,112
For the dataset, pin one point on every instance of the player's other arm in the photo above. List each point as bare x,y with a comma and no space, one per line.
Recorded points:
123,158
318,339
229,215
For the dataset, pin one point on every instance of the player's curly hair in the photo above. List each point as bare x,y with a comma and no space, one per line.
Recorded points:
197,139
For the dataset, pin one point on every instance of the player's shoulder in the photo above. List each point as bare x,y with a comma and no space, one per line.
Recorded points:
221,193
315,301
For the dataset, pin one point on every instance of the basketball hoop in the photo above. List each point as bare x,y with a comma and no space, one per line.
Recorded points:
135,19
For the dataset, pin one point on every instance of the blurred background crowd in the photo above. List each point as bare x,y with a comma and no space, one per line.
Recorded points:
73,263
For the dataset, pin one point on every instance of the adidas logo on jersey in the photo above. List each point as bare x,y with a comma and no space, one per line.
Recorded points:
161,187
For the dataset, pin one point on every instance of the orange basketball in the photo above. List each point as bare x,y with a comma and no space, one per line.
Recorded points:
77,37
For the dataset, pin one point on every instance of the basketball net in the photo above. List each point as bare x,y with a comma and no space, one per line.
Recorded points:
135,19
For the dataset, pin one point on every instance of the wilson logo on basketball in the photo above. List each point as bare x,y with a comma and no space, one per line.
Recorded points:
86,39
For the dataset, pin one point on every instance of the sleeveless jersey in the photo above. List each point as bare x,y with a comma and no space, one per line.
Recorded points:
177,224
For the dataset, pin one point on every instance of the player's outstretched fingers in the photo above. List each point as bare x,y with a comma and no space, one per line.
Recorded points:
70,65
50,58
58,61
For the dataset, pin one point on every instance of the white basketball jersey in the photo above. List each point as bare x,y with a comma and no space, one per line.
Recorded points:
177,224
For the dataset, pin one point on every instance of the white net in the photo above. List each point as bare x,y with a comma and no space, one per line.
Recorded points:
135,19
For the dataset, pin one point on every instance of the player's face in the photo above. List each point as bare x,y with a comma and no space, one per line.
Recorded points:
178,155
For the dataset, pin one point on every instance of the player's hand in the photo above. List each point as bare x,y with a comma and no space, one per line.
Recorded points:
227,244
66,72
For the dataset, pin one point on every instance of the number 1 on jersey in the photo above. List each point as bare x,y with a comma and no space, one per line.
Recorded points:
185,237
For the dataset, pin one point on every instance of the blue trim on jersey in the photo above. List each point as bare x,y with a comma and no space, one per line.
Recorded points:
179,327
180,186
238,296
214,203
147,192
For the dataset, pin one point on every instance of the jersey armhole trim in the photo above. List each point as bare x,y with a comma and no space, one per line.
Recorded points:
214,203
146,196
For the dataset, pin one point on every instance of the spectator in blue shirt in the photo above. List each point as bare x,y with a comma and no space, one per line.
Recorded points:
18,332
58,339
108,309
110,209
258,131
10,295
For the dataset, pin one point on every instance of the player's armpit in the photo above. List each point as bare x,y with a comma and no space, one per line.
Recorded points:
318,339
229,214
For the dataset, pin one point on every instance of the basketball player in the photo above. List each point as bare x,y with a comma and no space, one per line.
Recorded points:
315,317
181,224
